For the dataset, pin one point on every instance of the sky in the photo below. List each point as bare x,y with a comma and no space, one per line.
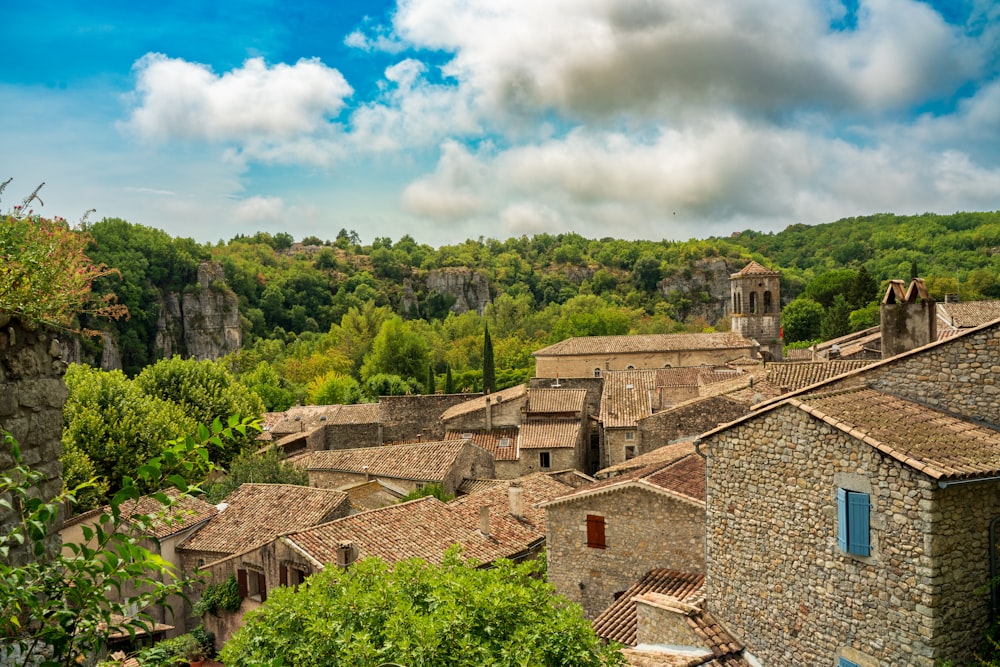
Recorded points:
457,119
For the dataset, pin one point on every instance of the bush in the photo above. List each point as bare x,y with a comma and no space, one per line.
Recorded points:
216,597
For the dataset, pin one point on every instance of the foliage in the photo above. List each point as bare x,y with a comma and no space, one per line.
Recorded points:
55,609
45,275
836,319
435,489
268,467
801,320
384,384
420,615
334,389
489,365
396,350
224,596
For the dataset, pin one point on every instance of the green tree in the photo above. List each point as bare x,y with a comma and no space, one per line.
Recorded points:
863,290
334,389
431,383
396,350
837,319
384,384
646,272
250,467
449,381
801,320
827,286
421,615
489,368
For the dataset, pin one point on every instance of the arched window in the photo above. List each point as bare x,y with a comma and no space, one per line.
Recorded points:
767,302
597,372
739,303
753,303
735,309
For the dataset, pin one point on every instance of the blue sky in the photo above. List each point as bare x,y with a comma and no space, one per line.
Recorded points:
455,119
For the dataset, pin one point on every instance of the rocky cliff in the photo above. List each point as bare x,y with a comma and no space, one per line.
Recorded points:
201,323
703,289
470,288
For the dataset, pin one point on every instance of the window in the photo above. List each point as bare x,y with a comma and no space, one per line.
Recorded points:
630,452
597,372
844,662
767,302
291,576
503,442
753,303
544,461
251,585
595,532
853,509
630,435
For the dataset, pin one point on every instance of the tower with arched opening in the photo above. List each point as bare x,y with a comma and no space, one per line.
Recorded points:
756,307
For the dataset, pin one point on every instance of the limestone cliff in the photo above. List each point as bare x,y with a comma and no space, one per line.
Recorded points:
469,287
702,290
201,323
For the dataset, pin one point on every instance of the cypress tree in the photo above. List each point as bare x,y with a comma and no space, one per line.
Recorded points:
489,371
449,383
430,379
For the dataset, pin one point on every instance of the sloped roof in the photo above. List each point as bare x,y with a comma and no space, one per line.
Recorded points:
557,400
371,495
256,513
184,512
591,345
535,489
967,314
683,477
490,441
792,375
659,456
940,445
426,461
423,528
625,398
754,269
302,418
479,403
618,622
474,485
549,435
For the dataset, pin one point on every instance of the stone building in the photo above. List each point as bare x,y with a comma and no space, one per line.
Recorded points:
405,468
908,317
850,521
604,536
756,307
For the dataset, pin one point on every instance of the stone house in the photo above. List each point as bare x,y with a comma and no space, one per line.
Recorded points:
168,527
594,356
604,536
404,468
851,521
501,409
501,443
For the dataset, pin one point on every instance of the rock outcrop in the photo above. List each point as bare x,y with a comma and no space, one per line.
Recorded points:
203,323
470,288
704,287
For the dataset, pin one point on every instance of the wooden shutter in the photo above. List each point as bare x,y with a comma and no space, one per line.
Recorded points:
262,586
595,532
842,519
857,524
283,575
241,580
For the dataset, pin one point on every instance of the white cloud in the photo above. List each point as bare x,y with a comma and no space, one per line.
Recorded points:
264,111
258,210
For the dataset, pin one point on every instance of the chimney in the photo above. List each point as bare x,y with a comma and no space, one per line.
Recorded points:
484,520
489,415
515,498
345,553
368,477
909,318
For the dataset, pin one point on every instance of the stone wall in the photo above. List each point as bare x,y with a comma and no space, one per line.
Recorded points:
32,394
775,574
905,326
687,420
582,366
505,415
563,458
351,436
412,417
643,530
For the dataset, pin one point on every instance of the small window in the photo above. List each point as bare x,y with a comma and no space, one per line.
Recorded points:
630,452
853,529
544,461
767,302
630,435
597,372
595,532
630,367
753,303
503,442
844,662
252,585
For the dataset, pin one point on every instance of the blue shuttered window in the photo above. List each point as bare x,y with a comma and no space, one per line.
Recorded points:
844,662
853,529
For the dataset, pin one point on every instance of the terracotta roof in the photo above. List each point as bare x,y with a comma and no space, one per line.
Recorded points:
535,489
683,477
549,435
475,485
184,513
425,461
557,400
256,513
423,528
938,444
479,403
966,314
618,622
301,418
758,392
659,456
792,375
754,269
625,398
491,441
589,345
371,495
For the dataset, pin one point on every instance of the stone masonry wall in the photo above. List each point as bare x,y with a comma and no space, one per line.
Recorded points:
351,436
643,530
687,420
412,417
775,575
32,393
582,366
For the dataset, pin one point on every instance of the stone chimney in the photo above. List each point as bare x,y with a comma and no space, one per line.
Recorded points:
489,415
484,520
515,498
908,318
345,553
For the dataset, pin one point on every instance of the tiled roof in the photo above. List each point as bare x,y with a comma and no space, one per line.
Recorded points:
625,398
256,513
754,269
475,485
588,345
490,441
758,392
557,400
549,435
968,314
618,622
535,489
301,418
938,444
659,456
684,476
479,403
371,495
792,375
359,413
423,528
426,461
185,512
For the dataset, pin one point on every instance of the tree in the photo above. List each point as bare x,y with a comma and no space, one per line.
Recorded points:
863,290
646,272
801,320
489,369
449,381
384,384
417,614
334,389
396,350
266,468
431,383
837,319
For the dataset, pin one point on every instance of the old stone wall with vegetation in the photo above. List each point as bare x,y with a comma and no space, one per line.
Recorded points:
32,394
687,420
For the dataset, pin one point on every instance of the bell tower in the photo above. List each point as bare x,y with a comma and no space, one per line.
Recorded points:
756,307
